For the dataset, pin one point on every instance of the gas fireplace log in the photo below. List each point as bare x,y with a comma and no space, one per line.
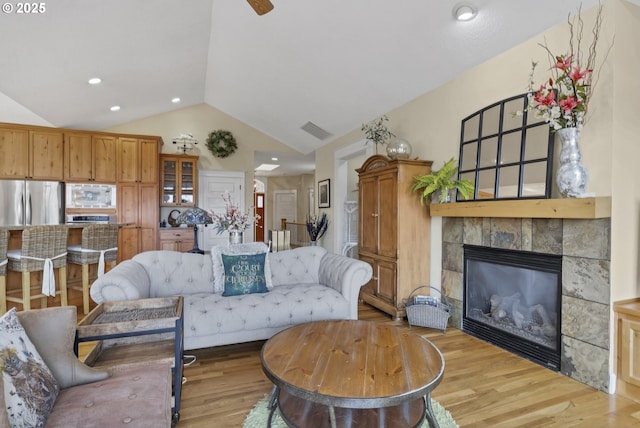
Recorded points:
547,329
508,308
502,307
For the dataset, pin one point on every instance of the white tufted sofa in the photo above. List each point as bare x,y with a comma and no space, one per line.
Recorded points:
309,284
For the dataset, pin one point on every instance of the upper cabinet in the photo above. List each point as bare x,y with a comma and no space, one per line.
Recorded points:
137,160
90,158
179,180
14,153
31,154
45,155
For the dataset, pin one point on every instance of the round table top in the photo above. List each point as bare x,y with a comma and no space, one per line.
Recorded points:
354,364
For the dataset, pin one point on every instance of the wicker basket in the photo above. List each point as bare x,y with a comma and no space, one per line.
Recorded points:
425,315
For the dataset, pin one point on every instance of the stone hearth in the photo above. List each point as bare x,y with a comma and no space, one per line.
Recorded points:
585,246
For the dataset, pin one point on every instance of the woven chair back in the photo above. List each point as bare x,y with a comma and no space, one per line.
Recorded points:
100,236
97,237
42,242
4,243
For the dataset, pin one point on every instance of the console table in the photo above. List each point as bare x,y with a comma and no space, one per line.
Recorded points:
137,330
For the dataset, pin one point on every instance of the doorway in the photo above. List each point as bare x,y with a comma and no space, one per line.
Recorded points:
285,205
258,203
344,159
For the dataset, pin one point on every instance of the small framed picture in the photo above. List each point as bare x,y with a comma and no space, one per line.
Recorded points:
324,196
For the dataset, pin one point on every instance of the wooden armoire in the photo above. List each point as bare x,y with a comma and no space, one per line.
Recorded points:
394,230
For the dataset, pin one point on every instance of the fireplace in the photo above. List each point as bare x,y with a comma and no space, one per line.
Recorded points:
583,245
513,299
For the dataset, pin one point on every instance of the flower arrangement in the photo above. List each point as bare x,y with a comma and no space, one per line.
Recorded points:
317,226
563,99
376,131
232,219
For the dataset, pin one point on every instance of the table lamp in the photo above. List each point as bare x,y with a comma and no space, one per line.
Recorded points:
193,217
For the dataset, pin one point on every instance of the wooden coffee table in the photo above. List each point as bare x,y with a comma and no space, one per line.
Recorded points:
351,373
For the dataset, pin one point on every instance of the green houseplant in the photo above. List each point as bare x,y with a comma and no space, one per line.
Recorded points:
442,181
376,131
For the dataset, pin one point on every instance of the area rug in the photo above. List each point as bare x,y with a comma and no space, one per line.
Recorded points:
257,417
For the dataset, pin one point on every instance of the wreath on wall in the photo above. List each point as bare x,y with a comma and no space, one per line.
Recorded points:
221,143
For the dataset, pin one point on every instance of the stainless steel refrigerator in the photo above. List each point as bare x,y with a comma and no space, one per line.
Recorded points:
31,203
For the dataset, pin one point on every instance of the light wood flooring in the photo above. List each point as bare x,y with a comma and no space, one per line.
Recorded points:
483,386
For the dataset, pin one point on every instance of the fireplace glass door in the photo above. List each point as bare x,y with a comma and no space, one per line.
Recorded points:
512,299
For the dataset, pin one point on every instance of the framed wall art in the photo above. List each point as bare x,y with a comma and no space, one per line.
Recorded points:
324,195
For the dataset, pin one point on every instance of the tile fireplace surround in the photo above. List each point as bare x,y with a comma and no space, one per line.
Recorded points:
585,245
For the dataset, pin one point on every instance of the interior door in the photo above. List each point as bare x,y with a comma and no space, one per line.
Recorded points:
212,184
258,203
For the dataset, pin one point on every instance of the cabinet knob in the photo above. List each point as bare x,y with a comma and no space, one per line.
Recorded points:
374,215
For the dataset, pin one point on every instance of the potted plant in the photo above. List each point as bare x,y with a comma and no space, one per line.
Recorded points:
440,182
376,131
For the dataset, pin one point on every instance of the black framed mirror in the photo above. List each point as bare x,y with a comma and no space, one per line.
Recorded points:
506,155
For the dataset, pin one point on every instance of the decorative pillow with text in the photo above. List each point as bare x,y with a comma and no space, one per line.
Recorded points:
249,248
244,274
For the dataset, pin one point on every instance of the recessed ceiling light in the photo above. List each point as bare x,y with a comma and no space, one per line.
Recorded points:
175,100
115,108
274,159
464,12
95,80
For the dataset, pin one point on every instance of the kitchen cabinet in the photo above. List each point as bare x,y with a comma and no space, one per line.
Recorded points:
137,160
14,153
45,155
176,239
179,180
32,154
90,157
138,195
628,348
138,206
394,230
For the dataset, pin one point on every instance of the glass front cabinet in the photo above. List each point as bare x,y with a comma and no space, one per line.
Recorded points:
179,180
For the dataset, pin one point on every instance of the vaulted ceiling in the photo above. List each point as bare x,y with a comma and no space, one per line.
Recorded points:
335,63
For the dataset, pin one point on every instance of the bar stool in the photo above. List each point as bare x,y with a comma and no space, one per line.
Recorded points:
4,242
99,245
44,248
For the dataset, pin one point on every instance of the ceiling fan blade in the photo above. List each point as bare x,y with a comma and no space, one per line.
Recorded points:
261,6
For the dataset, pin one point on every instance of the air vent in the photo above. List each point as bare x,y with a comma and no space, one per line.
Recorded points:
316,131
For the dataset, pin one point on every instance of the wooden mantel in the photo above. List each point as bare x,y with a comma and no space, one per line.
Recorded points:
571,208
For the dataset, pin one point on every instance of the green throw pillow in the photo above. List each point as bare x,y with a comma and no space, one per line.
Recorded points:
244,274
30,390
